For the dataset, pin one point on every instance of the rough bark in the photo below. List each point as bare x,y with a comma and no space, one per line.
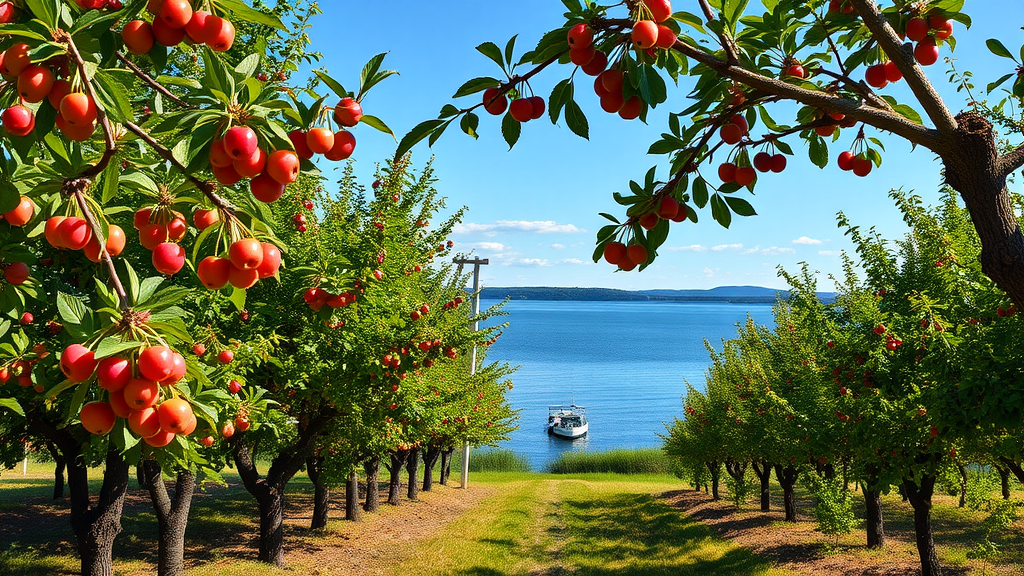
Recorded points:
920,496
963,485
96,526
171,516
412,466
59,464
372,469
446,465
1014,467
787,479
763,470
1004,481
398,458
140,476
321,493
875,524
713,467
352,510
430,456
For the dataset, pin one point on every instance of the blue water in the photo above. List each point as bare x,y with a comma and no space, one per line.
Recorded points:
626,362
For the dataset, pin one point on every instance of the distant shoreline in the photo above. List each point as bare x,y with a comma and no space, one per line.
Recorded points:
723,294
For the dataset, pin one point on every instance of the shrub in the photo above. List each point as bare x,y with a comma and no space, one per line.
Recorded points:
638,461
833,507
494,461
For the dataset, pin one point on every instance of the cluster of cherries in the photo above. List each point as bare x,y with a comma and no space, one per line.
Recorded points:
248,262
74,233
335,146
238,155
522,109
76,111
300,219
921,31
18,272
317,298
134,392
891,342
172,21
419,312
98,4
450,305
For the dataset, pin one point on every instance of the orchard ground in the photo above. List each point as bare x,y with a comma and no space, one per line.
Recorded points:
506,524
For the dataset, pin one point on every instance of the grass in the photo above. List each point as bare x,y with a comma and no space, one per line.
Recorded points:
638,461
494,461
600,525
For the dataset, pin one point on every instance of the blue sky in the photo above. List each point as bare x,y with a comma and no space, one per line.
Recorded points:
533,211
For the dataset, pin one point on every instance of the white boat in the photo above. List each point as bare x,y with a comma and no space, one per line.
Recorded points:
568,421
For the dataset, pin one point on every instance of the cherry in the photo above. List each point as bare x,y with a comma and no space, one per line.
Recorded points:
645,34
892,72
917,29
225,356
612,102
845,160
344,146
596,65
219,157
77,363
795,70
862,166
145,423
580,36
240,142
241,423
876,76
521,110
538,111
7,12
17,273
649,221
175,13
825,131
18,120
636,253
631,108
152,235
926,53
203,218
98,418
138,36
35,83
611,81
943,31
348,112
727,172
778,163
155,363
175,415
763,162
666,37
243,279
582,56
283,166
495,102
251,166
177,228
75,233
22,213
115,243
16,59
113,373
52,231
206,441
246,254
266,189
227,430
745,175
271,261
220,34
168,258
159,440
26,319
61,88
227,175
196,28
213,272
166,35
320,140
681,214
668,208
78,109
731,133
234,386
661,10
298,138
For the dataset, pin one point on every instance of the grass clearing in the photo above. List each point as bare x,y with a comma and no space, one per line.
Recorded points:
635,461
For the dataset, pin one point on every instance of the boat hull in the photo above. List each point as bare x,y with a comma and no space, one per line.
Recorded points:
570,433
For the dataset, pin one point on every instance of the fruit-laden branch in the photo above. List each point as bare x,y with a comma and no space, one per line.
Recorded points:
152,83
1011,161
819,123
515,80
831,44
857,87
209,189
727,43
101,116
76,188
890,43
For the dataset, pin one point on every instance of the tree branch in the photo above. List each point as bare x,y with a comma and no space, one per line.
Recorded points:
727,43
857,87
101,116
890,43
76,188
1011,161
152,83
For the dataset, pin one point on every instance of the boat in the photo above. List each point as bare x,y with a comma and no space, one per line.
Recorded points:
568,421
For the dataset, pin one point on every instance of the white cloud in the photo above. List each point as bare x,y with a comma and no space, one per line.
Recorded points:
531,262
771,251
490,246
558,246
829,252
575,261
723,247
806,241
690,248
529,226
708,272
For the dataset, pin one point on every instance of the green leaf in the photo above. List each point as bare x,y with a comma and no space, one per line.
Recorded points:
560,94
996,47
111,180
510,48
476,85
720,211
112,347
333,84
238,298
244,12
511,129
371,74
470,123
740,206
416,135
818,151
908,112
377,124
12,405
576,120
112,96
491,50
45,10
700,192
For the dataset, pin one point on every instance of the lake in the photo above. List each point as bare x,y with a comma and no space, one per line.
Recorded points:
626,362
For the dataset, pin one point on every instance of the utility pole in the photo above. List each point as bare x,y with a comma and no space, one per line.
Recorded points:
477,263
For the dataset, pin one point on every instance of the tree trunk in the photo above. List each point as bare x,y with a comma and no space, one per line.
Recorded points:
352,511
96,526
963,485
1014,467
787,479
171,516
140,476
763,470
412,466
446,466
372,468
58,471
321,493
1004,481
920,496
714,468
875,524
398,458
429,460
972,169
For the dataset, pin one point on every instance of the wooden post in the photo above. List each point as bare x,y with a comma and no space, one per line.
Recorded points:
476,262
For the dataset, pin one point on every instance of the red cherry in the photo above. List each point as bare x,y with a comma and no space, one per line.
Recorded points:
645,34
156,362
917,29
220,33
203,218
344,146
845,160
731,133
348,112
763,162
876,76
113,373
225,356
77,363
862,166
266,189
271,261
926,52
246,254
727,172
17,273
251,166
521,110
494,102
298,138
631,108
320,140
283,166
240,142
98,418
138,36
778,163
892,72
168,258
580,36
596,65
745,175
795,70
